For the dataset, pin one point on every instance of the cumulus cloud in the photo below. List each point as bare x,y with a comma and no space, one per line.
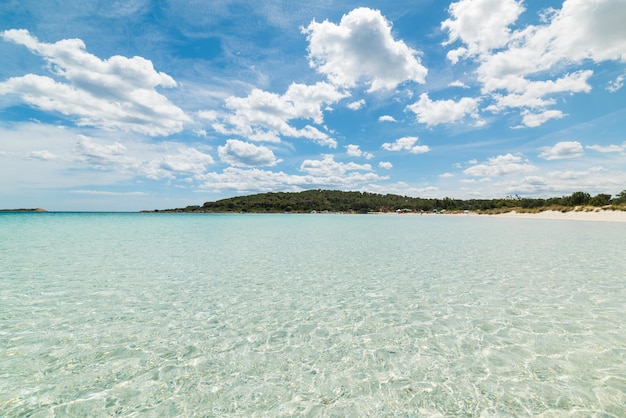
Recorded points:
608,148
406,143
482,25
361,48
253,179
117,93
387,118
356,105
531,94
528,185
329,167
355,151
532,120
401,188
266,116
207,114
500,165
444,111
386,165
458,83
319,173
100,155
186,160
562,150
245,154
153,161
616,84
43,155
568,175
594,180
588,29
582,30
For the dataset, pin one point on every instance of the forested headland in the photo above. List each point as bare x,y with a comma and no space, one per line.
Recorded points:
335,201
24,210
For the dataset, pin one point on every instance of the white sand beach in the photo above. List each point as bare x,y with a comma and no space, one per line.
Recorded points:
598,215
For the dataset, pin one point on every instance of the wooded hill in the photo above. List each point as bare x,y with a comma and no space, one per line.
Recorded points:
363,202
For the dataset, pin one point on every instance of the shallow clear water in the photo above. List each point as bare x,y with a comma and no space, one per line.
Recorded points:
322,315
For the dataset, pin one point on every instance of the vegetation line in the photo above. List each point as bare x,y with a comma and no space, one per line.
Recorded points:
363,202
24,210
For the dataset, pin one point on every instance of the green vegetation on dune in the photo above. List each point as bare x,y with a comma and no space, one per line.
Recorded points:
363,202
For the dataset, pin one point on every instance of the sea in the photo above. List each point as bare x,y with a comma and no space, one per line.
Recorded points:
330,315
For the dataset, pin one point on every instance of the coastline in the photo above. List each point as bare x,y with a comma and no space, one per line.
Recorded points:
21,210
597,215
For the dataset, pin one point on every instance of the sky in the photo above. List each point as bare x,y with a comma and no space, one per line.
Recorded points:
124,105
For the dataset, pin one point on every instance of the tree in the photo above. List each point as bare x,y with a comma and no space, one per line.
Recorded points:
600,200
577,199
620,198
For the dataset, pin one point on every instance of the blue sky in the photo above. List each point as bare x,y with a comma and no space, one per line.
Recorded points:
139,104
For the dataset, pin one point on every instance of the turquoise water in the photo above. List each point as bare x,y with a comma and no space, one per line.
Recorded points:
317,315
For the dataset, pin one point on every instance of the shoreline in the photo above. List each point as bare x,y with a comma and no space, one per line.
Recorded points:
573,215
597,215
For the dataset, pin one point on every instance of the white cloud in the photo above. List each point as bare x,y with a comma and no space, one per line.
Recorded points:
387,118
355,151
533,120
615,85
107,193
562,150
500,165
588,29
406,143
458,83
118,93
607,148
530,94
265,116
43,155
244,154
103,160
362,49
328,167
568,175
446,175
25,166
527,185
186,160
444,111
254,179
207,114
324,173
99,155
356,105
401,188
482,25
200,132
582,30
386,165
153,161
565,182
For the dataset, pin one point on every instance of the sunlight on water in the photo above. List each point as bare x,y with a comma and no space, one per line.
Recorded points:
327,315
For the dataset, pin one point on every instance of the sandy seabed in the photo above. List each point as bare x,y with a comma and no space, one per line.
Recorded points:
599,215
